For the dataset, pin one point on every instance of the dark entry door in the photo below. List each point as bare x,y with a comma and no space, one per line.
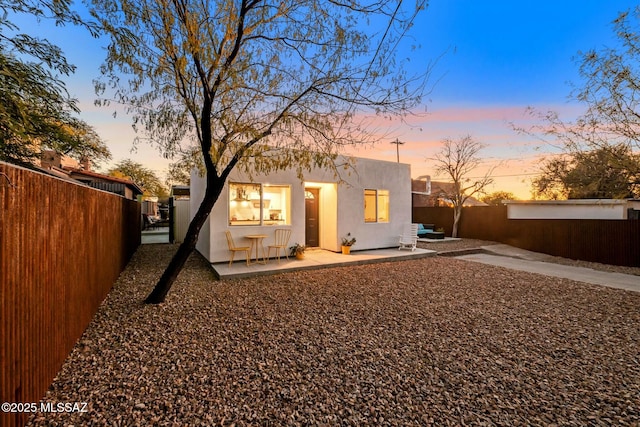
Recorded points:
311,217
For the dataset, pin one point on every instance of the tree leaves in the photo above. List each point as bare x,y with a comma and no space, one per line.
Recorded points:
37,111
259,85
234,74
610,172
599,149
141,175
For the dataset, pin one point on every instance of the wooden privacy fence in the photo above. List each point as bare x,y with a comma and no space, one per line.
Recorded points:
615,242
62,246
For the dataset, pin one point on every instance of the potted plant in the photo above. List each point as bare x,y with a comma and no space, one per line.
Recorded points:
347,242
297,250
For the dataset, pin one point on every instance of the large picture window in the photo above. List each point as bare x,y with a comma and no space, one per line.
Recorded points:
376,205
259,204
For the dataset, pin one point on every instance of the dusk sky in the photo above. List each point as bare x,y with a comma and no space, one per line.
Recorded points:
496,59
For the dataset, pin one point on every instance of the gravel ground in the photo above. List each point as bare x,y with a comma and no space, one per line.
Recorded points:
434,341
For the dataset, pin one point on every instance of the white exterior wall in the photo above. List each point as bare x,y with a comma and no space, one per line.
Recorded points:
198,185
568,209
380,175
341,208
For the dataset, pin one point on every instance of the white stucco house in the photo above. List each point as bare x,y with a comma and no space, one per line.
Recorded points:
372,203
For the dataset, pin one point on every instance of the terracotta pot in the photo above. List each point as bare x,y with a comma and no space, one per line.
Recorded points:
299,255
346,250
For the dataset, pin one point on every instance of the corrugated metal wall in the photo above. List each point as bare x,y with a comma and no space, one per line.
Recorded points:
62,246
112,187
615,242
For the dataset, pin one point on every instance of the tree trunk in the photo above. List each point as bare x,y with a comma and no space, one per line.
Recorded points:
457,211
159,292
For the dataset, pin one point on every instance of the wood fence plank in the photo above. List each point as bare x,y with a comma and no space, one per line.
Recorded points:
61,250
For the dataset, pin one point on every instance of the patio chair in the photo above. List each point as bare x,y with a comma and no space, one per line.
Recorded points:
233,248
409,237
281,242
148,223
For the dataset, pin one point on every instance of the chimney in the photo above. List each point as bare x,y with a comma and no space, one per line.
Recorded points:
420,186
50,159
85,163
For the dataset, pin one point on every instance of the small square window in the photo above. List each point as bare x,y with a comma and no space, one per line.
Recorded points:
376,205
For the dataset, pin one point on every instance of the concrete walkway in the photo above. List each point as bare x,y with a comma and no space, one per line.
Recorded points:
533,262
158,235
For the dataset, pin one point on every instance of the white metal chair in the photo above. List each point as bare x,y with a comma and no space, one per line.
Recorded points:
233,248
281,242
409,237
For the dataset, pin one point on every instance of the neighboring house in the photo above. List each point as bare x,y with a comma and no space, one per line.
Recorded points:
65,167
372,202
124,187
435,193
420,191
54,163
573,209
150,206
179,192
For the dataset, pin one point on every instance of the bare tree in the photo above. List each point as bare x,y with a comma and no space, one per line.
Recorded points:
260,85
457,160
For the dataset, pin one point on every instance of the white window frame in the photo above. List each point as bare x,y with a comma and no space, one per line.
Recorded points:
260,221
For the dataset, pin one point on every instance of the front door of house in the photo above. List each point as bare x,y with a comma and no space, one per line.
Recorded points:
311,229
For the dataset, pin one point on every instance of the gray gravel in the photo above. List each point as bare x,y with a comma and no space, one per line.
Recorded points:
431,341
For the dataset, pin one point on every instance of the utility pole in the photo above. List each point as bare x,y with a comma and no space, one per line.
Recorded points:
398,144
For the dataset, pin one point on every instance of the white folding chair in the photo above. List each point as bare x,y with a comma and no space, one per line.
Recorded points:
409,237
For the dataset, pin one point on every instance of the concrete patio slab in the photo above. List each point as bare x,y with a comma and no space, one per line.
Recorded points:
445,240
314,259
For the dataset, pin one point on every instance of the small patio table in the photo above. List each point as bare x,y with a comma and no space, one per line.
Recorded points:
256,240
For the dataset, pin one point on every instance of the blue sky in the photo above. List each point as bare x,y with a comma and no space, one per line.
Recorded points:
496,58
514,52
502,57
